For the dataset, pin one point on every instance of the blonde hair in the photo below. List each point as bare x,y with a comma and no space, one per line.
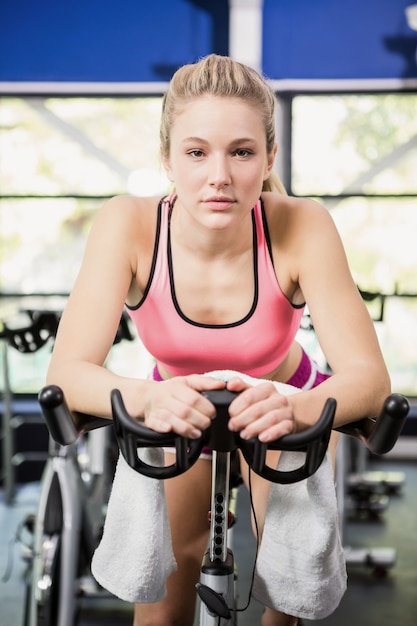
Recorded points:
221,76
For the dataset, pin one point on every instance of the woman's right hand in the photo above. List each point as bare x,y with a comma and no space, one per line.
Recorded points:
177,405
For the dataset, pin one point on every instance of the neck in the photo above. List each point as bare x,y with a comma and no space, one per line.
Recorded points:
211,242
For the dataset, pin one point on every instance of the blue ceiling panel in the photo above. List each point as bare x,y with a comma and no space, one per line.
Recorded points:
92,40
338,39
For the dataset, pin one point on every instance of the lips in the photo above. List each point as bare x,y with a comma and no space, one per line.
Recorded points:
219,199
219,202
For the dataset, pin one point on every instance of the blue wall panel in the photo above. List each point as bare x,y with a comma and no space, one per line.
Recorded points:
146,40
342,39
95,40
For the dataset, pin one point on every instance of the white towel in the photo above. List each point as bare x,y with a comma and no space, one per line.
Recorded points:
134,557
300,567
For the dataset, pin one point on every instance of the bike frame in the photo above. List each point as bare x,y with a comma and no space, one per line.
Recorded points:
70,513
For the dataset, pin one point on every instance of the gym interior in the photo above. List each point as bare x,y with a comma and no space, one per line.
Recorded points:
81,85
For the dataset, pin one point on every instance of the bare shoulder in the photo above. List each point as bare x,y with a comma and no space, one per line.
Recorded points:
127,223
128,211
280,207
294,220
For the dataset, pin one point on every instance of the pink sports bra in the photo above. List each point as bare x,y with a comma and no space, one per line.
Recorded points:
254,345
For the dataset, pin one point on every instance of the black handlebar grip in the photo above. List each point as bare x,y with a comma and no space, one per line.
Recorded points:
313,441
57,415
65,426
127,424
389,424
132,435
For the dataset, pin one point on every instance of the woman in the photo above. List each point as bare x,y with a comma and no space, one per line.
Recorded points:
216,277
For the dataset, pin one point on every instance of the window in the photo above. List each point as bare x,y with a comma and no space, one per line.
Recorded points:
357,154
60,158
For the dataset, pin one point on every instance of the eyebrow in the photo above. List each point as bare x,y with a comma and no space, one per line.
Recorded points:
235,142
193,140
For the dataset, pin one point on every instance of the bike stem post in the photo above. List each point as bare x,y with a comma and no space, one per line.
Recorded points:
216,587
219,505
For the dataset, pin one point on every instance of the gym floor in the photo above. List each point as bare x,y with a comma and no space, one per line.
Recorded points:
371,600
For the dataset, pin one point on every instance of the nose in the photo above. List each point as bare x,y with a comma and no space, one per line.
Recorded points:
219,171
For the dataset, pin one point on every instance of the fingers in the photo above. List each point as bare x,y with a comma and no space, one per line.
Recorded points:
258,411
262,412
204,383
177,405
236,384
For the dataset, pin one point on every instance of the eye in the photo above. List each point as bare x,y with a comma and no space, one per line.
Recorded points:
243,153
197,154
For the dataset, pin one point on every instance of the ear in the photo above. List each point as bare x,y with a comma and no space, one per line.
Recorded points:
167,167
271,161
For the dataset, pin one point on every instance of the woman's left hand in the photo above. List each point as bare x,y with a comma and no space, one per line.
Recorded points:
260,411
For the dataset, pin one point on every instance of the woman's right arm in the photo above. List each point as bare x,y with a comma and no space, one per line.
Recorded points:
90,320
120,239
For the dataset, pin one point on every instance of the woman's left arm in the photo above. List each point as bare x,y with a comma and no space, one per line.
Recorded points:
360,381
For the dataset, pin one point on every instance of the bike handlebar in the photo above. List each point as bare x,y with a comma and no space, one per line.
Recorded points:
378,434
65,426
132,435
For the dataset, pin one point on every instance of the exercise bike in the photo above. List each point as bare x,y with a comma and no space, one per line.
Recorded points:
68,523
217,586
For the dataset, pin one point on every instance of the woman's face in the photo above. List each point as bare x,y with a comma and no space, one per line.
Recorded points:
218,159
